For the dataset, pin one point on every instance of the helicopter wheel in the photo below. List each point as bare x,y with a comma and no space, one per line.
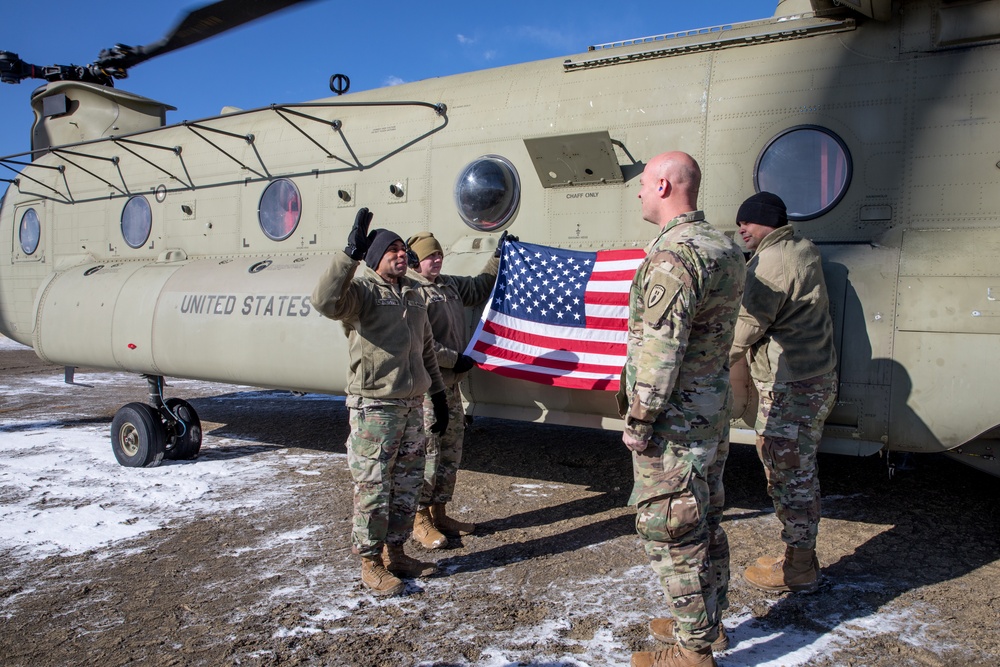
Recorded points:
184,436
138,436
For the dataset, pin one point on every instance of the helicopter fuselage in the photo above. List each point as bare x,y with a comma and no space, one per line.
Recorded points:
190,250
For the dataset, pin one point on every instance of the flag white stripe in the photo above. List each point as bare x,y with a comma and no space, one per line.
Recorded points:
615,312
617,265
574,333
541,370
548,353
617,286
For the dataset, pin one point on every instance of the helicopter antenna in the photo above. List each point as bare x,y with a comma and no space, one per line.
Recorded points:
113,63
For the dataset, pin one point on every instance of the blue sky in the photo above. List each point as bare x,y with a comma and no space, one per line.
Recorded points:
289,56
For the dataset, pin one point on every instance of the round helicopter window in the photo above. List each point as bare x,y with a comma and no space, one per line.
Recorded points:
29,232
279,210
137,221
487,193
808,166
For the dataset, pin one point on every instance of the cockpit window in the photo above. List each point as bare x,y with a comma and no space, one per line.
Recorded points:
808,166
279,210
137,221
29,232
487,193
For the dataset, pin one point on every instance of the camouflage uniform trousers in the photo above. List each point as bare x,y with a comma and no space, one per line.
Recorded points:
386,455
680,498
789,426
444,451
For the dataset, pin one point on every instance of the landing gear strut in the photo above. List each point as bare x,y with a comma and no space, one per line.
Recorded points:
143,435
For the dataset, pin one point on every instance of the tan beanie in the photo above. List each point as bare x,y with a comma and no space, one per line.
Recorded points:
424,245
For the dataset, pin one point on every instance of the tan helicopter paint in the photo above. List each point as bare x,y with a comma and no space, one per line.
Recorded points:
909,252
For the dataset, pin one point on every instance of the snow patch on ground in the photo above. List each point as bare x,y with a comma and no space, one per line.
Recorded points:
63,493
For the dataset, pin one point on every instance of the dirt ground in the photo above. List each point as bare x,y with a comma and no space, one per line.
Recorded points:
554,576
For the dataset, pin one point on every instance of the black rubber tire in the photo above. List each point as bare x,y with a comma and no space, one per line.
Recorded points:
138,436
183,447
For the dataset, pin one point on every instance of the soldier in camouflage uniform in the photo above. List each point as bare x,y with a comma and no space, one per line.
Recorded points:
675,399
447,298
786,326
392,365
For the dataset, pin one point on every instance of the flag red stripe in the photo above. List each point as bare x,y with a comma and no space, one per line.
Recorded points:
543,362
625,274
568,344
620,254
565,381
607,323
606,298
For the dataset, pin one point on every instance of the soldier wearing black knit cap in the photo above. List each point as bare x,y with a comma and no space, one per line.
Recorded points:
785,326
392,365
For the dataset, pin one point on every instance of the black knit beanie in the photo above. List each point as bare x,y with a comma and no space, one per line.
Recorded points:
763,208
383,239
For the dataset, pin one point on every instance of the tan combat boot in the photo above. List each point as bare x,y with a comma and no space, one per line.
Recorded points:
675,656
665,630
401,565
769,561
425,533
379,580
450,526
797,572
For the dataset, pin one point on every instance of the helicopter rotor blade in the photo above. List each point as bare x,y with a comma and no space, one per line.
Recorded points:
198,25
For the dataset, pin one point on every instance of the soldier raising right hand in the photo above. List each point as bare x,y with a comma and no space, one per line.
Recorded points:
392,365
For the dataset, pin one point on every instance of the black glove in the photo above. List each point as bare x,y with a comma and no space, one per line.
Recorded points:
504,237
463,364
440,403
359,238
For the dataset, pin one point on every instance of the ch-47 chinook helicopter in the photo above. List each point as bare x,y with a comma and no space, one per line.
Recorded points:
190,250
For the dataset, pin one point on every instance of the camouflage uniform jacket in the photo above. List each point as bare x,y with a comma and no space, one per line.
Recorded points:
785,317
447,298
389,335
683,305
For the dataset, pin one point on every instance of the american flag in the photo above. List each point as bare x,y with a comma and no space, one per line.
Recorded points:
558,317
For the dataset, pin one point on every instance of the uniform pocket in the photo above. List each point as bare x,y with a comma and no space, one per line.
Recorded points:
621,397
778,452
367,449
773,413
669,507
376,425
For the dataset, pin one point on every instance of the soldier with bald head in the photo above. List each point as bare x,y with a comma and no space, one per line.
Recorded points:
675,399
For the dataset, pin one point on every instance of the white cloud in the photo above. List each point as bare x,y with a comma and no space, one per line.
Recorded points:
555,39
392,80
462,39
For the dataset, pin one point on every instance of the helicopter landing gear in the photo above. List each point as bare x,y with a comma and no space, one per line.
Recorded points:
143,435
183,430
138,436
897,462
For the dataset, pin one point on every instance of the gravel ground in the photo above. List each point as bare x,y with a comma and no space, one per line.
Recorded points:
262,574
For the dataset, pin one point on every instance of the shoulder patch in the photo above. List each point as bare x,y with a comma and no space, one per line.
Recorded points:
654,295
661,292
